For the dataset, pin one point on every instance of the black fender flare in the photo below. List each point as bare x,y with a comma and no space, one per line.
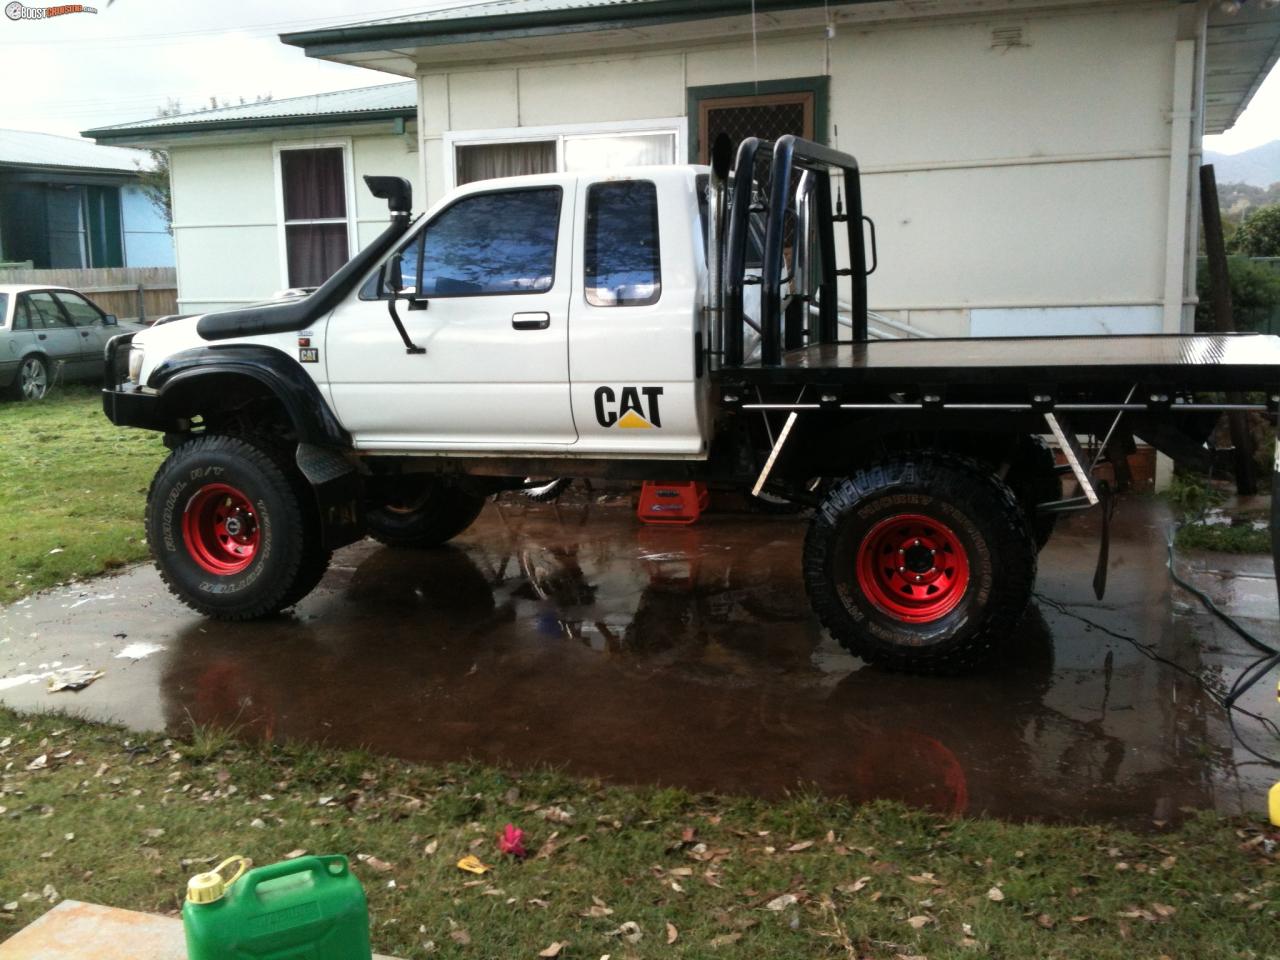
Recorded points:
313,420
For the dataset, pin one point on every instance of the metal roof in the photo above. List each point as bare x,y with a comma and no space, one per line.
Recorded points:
29,148
362,103
492,8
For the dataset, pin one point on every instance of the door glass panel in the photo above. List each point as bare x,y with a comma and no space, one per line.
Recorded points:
46,314
637,150
491,243
83,313
623,263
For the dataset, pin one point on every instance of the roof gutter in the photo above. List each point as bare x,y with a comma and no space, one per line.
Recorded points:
377,36
112,135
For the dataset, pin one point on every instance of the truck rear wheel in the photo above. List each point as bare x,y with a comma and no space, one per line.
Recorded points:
1033,477
920,564
422,512
232,529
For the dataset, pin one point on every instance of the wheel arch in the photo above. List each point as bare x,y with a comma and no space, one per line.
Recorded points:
188,383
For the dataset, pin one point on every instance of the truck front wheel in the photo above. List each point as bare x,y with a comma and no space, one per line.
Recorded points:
232,529
920,564
421,511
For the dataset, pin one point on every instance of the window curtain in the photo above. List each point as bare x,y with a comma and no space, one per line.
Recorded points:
315,252
313,184
491,161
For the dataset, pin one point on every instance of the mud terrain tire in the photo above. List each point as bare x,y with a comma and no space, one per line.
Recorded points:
920,563
433,513
233,530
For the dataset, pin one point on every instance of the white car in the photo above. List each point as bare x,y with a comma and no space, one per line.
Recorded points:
48,333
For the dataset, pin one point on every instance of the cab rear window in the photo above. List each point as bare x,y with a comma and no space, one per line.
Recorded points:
622,259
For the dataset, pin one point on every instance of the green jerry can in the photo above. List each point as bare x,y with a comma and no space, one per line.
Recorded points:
311,908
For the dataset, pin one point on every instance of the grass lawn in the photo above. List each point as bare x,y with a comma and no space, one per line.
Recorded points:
74,489
98,814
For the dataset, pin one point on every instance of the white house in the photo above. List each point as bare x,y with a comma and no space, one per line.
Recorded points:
1030,164
268,196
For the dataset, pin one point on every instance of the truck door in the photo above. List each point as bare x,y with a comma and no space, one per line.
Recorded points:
492,314
634,317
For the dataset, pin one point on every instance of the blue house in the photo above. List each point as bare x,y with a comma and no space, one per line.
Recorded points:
66,202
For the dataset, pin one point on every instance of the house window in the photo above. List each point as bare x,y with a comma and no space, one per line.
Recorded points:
489,154
623,264
313,185
489,161
488,244
768,116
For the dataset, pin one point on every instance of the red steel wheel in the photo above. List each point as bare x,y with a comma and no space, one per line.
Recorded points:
220,529
912,568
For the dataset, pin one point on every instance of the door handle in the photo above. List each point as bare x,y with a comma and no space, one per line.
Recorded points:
42,336
530,321
84,333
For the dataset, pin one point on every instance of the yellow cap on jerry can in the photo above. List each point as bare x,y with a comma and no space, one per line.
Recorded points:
212,886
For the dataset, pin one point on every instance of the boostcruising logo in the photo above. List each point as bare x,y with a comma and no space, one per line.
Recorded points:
16,11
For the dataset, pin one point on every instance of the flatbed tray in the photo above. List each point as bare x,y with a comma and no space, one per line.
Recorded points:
1207,362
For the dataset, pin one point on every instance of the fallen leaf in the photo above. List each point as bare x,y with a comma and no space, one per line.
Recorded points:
672,933
258,823
472,864
11,906
39,763
781,902
629,931
854,887
927,879
295,854
431,847
995,894
596,911
155,833
553,950
375,864
724,939
1046,921
802,845
1168,863
919,921
556,814
460,936
1163,910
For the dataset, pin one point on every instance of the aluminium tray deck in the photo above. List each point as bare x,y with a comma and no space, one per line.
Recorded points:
1207,362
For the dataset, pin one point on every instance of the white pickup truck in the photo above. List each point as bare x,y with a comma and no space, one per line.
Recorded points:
601,325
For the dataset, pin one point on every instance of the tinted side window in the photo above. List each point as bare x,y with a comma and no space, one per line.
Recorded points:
4,311
45,312
490,243
83,313
623,262
21,318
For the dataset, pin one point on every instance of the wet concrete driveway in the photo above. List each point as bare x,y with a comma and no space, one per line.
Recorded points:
572,636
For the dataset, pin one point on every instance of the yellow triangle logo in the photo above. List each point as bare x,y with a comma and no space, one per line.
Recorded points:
633,421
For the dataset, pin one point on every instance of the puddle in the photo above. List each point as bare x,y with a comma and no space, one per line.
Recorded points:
686,656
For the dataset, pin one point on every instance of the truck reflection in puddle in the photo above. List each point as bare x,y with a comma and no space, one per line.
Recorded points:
688,657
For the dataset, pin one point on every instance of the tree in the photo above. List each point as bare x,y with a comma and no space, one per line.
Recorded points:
155,180
1259,233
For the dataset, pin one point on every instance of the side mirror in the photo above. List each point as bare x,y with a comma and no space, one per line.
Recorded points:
109,320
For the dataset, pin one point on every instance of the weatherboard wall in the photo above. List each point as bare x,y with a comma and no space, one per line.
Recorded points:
226,210
1009,183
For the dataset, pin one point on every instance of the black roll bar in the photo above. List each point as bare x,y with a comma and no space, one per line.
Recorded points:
792,153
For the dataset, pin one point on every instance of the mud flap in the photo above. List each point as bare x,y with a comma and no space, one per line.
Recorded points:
337,489
1108,504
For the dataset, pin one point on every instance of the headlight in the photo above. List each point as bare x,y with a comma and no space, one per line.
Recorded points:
135,362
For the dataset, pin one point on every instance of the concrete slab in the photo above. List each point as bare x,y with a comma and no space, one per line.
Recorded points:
86,931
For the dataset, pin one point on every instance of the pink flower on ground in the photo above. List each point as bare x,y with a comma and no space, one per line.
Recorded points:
512,841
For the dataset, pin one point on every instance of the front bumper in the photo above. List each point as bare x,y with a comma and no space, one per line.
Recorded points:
128,405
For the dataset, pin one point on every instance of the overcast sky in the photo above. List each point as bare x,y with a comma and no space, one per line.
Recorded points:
78,71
